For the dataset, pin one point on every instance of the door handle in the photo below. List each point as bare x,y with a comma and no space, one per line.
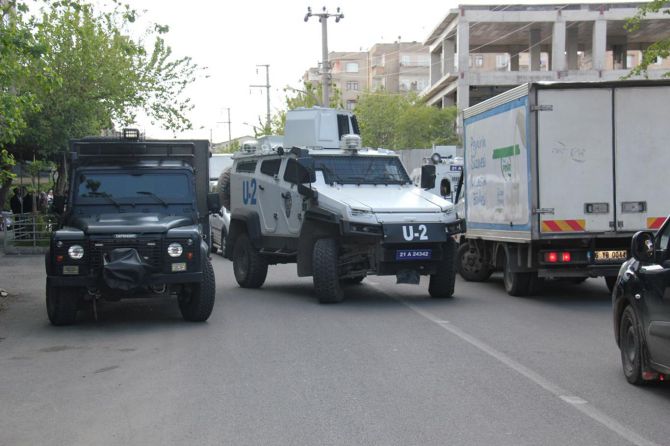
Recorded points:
285,195
261,187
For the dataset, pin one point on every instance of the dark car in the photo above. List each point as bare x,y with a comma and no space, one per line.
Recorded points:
641,304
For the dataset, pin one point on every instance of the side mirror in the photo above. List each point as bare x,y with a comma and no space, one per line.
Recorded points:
213,202
428,176
306,191
642,246
59,205
300,171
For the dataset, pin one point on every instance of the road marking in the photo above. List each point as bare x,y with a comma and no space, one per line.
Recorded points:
574,401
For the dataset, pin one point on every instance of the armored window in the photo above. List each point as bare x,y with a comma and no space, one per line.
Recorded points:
271,167
246,166
342,125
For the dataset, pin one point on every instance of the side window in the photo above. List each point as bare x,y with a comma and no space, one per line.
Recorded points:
296,173
271,167
246,166
445,187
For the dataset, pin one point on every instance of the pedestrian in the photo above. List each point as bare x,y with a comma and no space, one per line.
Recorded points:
16,203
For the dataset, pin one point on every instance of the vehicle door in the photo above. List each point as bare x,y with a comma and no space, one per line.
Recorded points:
655,300
291,202
268,185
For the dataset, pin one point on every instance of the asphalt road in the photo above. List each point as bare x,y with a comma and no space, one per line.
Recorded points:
388,366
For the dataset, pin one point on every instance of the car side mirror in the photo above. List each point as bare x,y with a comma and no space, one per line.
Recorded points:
428,176
213,202
59,205
300,171
642,246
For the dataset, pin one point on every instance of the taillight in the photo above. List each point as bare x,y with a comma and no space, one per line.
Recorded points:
557,257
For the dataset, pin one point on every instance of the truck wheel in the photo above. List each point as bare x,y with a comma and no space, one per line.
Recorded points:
630,345
196,301
325,271
470,266
516,284
611,282
441,284
249,266
62,305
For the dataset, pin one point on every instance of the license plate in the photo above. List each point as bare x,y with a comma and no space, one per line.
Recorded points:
413,254
609,256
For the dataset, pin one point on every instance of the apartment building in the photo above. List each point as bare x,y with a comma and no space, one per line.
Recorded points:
398,67
479,51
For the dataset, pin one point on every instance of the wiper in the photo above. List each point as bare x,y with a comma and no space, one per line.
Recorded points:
107,196
152,195
330,172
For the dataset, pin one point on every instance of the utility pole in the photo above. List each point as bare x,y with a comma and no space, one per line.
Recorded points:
267,87
227,122
325,65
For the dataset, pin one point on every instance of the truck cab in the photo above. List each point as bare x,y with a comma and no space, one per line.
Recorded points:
134,223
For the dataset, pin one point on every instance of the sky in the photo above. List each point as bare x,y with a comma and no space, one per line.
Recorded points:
231,38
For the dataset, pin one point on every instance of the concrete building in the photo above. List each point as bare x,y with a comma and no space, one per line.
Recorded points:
349,74
478,51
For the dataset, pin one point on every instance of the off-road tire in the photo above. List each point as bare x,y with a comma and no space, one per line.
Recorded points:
516,283
470,266
325,272
62,304
442,283
249,266
630,344
196,300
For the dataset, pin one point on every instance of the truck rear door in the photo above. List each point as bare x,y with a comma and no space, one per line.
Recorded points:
642,147
575,160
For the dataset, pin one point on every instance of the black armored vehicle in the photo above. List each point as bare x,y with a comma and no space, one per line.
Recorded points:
134,223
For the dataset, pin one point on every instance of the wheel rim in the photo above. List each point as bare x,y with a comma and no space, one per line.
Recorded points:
242,264
471,263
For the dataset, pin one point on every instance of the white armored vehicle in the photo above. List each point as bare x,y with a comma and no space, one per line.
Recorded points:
339,211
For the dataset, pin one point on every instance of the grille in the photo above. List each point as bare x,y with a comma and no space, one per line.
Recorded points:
149,250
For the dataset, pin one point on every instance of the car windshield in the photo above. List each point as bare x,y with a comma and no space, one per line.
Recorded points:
115,187
361,169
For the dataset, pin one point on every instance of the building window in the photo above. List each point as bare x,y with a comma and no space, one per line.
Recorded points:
502,62
405,60
351,105
351,67
352,85
423,60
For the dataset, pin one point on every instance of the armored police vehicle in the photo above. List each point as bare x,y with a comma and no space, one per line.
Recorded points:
134,222
336,209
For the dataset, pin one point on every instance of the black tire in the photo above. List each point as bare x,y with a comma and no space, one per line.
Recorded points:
610,281
630,344
516,283
442,284
470,266
352,280
325,273
249,266
197,300
62,303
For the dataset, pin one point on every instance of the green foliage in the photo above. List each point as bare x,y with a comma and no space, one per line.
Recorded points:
397,121
661,48
6,163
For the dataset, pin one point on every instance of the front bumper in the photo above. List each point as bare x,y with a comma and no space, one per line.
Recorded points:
97,281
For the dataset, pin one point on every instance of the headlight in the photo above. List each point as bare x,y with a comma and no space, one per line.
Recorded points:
75,252
175,249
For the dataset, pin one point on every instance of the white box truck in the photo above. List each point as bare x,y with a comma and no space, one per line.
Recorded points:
559,176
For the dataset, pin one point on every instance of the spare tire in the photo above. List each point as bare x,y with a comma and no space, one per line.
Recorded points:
224,188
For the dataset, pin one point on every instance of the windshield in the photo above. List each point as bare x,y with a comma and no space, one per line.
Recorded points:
120,187
361,169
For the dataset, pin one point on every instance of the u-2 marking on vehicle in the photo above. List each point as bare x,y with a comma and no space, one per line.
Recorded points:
249,191
409,234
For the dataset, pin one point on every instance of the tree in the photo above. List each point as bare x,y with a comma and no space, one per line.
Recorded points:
657,49
396,121
104,77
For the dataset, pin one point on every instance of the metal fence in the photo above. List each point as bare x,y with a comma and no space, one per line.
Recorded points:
27,233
